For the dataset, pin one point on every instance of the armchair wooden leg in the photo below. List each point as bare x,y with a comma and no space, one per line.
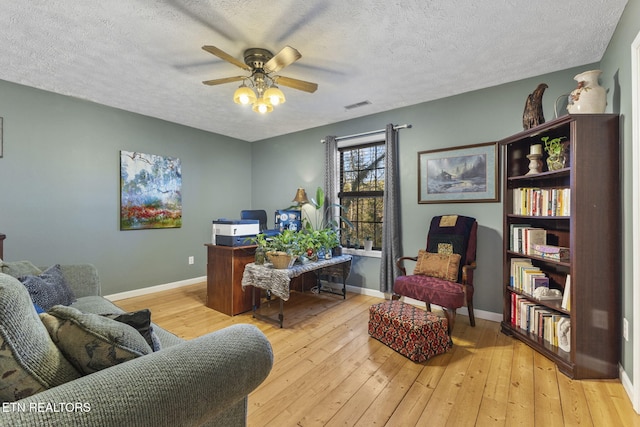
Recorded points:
428,306
450,314
472,318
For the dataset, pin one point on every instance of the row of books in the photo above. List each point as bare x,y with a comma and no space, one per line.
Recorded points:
532,201
525,277
524,237
533,318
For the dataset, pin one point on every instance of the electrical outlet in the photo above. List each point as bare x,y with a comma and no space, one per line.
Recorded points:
625,329
191,260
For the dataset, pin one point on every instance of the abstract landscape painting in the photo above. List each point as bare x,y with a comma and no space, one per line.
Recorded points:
150,191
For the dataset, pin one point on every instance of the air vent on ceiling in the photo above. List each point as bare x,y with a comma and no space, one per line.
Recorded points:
357,105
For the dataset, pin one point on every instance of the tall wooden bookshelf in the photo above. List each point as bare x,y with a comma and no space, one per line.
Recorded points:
591,231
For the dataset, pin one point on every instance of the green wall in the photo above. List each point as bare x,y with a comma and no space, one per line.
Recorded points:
60,178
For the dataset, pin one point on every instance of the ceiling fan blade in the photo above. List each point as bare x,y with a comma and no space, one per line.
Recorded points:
224,55
286,56
296,84
224,80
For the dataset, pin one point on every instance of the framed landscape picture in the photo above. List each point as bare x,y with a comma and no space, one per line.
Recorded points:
150,191
461,174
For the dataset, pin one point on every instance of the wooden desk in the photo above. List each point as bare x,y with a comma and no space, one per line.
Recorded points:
225,265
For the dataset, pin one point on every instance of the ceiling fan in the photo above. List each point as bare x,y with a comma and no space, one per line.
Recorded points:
263,65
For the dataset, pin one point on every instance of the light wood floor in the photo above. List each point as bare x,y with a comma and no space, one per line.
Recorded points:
328,371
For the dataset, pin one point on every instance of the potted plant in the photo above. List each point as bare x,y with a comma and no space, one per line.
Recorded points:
261,241
326,221
287,243
282,249
368,243
556,151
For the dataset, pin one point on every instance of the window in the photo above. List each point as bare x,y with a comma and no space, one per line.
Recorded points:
361,192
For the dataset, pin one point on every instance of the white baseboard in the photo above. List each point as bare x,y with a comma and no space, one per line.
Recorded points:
157,288
480,314
626,383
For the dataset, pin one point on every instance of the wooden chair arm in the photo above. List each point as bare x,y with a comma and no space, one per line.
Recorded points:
400,263
467,273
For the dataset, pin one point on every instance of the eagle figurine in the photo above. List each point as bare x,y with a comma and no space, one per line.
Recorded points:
533,114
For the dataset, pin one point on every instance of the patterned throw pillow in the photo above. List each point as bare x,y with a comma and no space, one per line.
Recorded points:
442,266
29,360
49,288
92,342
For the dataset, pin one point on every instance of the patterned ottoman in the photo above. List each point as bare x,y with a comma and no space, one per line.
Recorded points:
412,332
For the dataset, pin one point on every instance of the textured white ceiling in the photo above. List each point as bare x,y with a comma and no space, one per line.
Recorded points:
145,56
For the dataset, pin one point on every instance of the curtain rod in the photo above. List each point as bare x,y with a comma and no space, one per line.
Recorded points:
405,126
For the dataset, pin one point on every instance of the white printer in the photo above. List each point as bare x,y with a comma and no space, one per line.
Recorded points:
234,232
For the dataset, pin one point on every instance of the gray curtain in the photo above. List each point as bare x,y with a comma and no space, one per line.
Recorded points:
331,173
391,236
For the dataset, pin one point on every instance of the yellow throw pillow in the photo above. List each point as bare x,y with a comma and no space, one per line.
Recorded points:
442,266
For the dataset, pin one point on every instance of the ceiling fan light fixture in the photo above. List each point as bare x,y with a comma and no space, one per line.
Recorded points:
262,106
259,89
274,95
244,95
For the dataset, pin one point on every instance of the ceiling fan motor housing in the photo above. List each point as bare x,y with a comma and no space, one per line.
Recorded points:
256,57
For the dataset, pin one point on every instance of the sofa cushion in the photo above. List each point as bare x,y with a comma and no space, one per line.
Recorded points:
19,268
92,342
48,288
442,266
29,360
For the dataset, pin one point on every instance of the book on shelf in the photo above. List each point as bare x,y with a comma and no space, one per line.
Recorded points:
516,263
533,236
540,282
566,295
528,275
516,237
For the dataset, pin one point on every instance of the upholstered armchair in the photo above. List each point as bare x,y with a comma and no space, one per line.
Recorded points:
443,273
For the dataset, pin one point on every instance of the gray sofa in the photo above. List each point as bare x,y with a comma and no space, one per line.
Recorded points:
204,381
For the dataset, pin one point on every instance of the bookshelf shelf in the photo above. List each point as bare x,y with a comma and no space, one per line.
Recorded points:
541,259
575,212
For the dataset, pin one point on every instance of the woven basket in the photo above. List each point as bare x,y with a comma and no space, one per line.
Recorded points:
281,260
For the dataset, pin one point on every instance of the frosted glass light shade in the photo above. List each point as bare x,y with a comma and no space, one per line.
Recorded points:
262,106
274,95
244,95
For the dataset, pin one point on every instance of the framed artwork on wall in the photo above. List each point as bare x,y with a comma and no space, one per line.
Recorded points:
150,191
459,174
